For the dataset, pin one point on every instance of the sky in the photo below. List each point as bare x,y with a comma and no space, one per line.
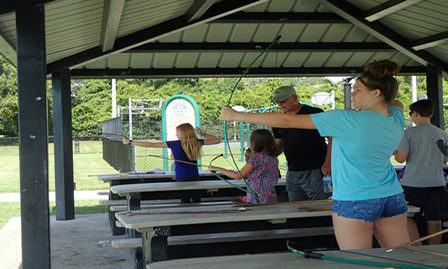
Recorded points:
335,79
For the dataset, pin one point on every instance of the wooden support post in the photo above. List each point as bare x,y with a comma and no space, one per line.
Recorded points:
155,245
33,135
435,93
63,150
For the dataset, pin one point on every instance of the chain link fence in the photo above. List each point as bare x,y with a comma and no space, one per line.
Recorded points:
9,141
80,144
124,158
238,136
228,155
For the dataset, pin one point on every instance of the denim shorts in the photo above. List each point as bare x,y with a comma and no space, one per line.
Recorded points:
371,209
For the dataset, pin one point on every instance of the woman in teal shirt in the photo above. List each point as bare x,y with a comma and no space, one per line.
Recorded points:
367,198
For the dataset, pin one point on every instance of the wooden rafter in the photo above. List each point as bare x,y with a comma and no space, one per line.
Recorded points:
111,20
153,33
228,72
388,8
254,47
198,8
384,33
430,41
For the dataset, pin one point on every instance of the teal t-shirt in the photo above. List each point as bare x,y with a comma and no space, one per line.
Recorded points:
363,142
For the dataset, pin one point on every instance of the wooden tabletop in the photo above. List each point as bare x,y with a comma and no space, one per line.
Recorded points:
221,214
218,214
293,261
123,190
144,175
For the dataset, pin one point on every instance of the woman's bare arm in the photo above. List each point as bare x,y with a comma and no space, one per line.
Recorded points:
208,138
145,144
279,120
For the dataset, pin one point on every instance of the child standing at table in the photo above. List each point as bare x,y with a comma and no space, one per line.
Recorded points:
423,180
186,151
261,168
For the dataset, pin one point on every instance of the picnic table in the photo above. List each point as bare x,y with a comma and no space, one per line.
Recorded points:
288,260
138,177
135,193
148,177
158,224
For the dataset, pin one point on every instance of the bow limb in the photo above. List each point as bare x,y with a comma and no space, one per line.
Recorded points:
276,40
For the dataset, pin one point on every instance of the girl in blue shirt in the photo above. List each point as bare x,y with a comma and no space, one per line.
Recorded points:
367,198
187,150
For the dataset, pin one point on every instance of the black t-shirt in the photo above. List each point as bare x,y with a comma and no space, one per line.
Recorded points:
304,149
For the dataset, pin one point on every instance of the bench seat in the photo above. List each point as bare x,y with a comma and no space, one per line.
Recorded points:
230,237
143,202
154,202
119,208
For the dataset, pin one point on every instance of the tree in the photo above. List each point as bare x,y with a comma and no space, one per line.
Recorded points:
9,110
91,99
91,104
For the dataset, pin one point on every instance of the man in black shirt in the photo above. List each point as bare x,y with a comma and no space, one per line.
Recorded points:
307,154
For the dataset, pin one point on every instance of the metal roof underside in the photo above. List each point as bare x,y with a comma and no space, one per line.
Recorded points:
179,38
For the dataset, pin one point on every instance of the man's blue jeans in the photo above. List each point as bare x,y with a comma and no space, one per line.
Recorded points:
305,185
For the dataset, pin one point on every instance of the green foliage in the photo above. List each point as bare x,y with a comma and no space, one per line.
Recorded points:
91,104
91,99
8,99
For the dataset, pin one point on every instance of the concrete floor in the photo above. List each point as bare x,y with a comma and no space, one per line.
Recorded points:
80,243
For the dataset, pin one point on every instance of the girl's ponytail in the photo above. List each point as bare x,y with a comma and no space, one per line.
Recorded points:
190,143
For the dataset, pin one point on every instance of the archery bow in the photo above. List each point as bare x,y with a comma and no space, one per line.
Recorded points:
276,40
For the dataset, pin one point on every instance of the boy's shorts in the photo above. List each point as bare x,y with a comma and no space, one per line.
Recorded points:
432,201
371,209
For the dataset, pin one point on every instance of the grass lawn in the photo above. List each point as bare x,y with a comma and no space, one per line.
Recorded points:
8,210
12,209
88,162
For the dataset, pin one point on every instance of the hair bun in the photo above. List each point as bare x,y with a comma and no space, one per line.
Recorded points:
383,68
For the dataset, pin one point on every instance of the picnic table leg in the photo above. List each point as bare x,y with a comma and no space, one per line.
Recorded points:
133,202
154,246
112,219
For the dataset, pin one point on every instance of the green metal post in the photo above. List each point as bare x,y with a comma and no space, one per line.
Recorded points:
242,142
225,139
248,135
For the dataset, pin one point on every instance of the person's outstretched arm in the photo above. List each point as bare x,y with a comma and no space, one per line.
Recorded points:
234,174
208,138
144,144
280,120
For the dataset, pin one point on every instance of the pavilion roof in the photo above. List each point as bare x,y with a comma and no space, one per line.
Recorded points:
178,38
